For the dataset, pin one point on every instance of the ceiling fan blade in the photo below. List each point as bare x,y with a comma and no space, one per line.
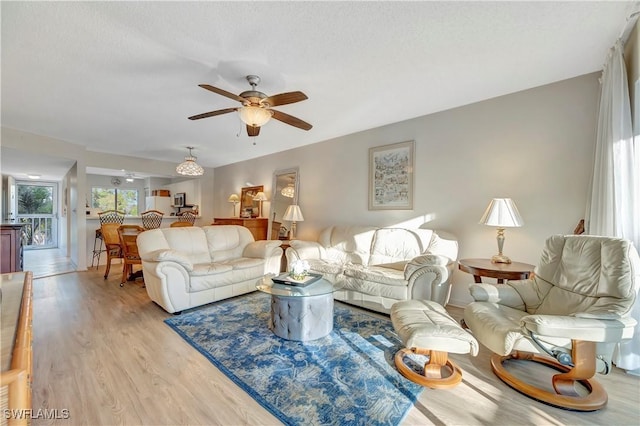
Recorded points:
291,120
212,113
253,131
223,93
284,98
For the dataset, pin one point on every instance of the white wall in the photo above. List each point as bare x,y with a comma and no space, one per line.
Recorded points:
535,147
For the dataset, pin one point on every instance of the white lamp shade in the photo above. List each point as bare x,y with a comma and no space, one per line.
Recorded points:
254,116
260,197
293,214
503,213
233,198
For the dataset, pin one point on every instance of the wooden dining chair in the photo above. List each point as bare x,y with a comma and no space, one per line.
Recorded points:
112,244
128,235
178,224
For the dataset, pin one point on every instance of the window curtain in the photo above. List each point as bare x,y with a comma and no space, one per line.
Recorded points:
613,209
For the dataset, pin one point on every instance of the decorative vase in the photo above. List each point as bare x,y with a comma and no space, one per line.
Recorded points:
299,269
298,277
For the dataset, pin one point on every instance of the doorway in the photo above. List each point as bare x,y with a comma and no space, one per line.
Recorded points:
36,206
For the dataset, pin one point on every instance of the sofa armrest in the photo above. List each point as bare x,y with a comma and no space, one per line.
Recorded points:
306,249
423,261
501,294
165,255
428,278
262,249
571,327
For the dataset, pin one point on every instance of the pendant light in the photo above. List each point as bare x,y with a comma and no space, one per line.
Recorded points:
189,167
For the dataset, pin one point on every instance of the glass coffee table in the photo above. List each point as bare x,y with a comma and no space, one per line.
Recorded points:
299,313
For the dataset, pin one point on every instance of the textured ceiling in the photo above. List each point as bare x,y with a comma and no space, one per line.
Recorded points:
122,77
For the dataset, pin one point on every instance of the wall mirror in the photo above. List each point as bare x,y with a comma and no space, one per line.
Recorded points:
249,207
286,184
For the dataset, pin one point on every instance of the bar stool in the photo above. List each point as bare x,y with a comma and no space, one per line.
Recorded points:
151,219
188,217
108,216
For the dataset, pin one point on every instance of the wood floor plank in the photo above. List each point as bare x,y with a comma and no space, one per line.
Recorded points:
104,353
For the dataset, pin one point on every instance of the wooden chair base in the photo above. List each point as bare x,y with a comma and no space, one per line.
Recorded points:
564,384
433,377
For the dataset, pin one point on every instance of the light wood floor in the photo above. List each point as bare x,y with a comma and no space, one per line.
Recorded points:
104,353
47,262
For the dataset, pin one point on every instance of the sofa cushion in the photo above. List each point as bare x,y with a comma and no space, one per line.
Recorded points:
393,245
325,267
226,241
170,256
377,274
226,273
347,244
398,266
245,263
189,240
214,268
372,288
207,282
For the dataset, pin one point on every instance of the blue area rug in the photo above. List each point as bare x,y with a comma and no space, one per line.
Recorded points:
345,378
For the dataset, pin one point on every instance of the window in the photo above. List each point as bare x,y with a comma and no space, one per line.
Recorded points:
125,200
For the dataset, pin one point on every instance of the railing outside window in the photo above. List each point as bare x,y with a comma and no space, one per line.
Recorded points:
38,232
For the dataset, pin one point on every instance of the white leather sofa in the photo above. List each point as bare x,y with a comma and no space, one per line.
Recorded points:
191,266
376,267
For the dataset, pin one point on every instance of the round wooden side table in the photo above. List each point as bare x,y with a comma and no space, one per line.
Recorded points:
501,271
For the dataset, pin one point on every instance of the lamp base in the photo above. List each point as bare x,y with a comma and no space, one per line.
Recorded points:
500,258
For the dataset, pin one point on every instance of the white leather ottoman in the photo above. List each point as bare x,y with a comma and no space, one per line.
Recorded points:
426,328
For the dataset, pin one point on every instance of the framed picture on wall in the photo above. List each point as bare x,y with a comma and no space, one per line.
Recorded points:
391,177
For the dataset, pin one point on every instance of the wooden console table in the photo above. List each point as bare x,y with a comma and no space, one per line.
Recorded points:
16,354
257,225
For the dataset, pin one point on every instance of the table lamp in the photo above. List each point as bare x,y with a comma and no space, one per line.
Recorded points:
260,197
503,213
294,215
233,198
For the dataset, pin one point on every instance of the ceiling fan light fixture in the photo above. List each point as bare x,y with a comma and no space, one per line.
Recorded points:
254,116
189,167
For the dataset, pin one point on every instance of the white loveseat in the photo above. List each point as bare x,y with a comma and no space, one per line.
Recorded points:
191,266
376,267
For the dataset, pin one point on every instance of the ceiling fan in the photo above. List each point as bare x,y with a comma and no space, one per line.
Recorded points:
256,110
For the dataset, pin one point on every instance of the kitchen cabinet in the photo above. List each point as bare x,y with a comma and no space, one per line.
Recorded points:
11,247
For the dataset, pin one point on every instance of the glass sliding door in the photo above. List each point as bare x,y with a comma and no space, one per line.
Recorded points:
36,205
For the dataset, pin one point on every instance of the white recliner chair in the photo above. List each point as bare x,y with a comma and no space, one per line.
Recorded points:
569,315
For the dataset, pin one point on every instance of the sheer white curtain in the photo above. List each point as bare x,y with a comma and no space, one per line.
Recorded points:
615,199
